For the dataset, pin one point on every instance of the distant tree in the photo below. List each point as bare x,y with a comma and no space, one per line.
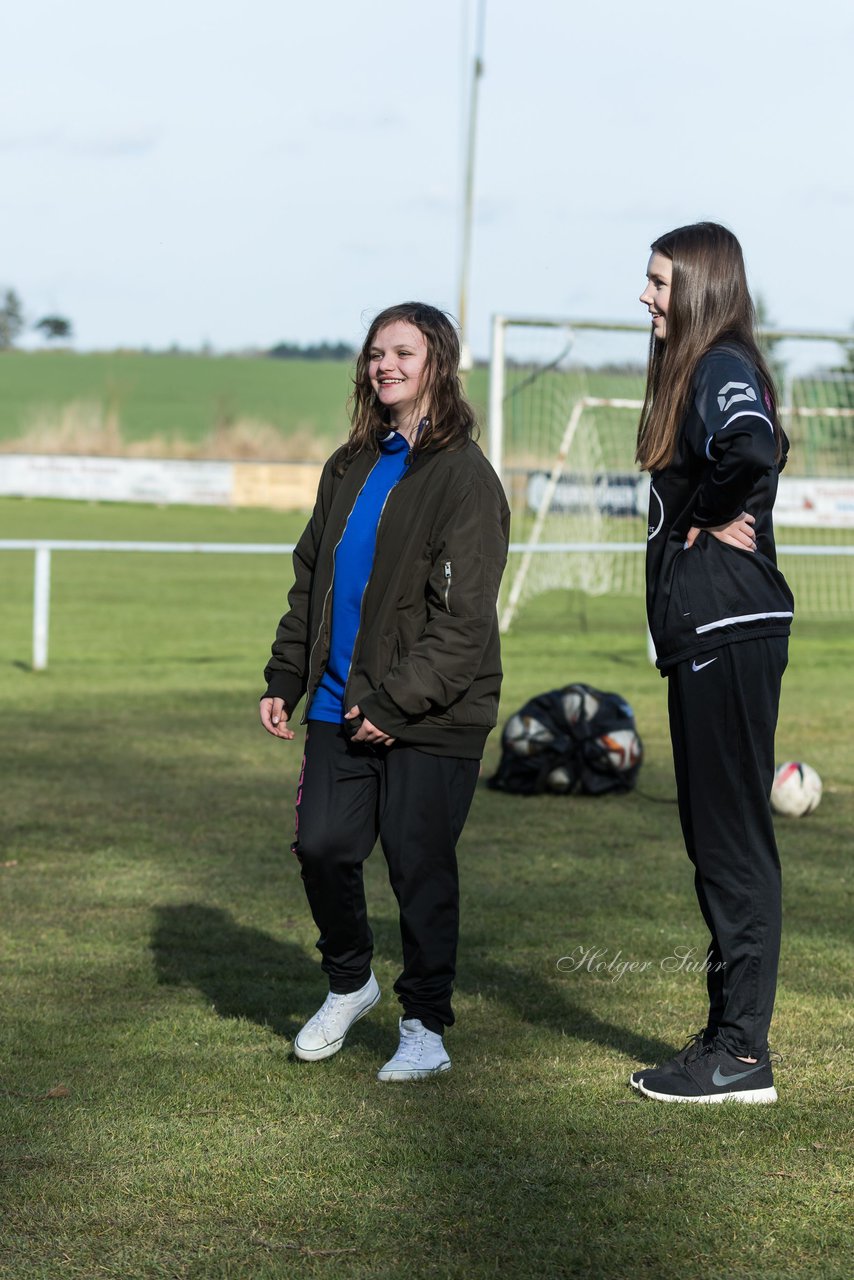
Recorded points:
54,327
619,368
847,366
313,351
11,319
768,346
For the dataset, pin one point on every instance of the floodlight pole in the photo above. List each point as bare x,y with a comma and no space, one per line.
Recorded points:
468,196
495,447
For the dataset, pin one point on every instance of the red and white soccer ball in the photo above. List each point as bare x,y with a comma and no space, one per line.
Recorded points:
623,748
796,790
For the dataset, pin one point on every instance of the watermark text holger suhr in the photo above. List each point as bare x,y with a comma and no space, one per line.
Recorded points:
598,960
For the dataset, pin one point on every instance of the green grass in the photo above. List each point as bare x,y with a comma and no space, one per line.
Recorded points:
180,396
168,395
193,398
158,958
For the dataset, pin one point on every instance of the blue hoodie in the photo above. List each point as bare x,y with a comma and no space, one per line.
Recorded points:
354,558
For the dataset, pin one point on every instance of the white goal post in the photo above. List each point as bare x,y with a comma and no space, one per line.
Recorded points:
564,401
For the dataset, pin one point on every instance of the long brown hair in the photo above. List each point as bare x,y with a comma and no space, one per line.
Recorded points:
709,303
451,421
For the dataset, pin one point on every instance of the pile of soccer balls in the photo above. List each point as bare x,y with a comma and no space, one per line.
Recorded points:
796,790
618,750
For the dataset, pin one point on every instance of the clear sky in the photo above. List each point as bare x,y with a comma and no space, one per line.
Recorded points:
240,174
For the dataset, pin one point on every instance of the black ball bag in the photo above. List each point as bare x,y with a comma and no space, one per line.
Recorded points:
575,747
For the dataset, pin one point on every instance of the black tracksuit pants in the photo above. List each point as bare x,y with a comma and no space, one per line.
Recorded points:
349,794
723,714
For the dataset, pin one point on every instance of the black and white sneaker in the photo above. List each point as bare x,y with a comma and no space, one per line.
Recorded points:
690,1048
712,1075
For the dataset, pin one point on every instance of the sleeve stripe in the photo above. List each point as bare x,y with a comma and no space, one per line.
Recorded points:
747,413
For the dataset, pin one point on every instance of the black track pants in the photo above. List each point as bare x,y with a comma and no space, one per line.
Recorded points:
723,714
417,804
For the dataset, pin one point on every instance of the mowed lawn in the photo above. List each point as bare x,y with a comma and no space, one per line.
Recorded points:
173,395
176,397
158,958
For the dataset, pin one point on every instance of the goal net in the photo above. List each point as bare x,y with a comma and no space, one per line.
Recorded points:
565,397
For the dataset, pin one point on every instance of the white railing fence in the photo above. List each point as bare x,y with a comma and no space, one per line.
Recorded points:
44,548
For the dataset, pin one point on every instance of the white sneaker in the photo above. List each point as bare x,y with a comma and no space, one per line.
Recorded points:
324,1034
421,1053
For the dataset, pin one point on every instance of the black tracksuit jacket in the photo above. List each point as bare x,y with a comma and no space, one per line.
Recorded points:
426,664
715,594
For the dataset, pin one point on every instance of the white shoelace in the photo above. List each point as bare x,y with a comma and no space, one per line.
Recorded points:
411,1047
330,1005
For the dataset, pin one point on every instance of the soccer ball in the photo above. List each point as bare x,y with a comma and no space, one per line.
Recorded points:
578,703
796,790
525,735
560,780
622,748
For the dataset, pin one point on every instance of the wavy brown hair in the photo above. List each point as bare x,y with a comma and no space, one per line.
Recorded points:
451,420
709,303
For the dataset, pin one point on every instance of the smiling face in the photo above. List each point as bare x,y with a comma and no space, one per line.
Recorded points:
397,363
656,295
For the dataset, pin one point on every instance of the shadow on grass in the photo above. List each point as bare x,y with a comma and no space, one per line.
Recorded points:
532,997
542,1002
243,972
246,973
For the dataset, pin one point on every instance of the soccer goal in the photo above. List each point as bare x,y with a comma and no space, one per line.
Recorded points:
565,396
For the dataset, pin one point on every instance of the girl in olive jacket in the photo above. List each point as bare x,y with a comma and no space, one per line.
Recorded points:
391,633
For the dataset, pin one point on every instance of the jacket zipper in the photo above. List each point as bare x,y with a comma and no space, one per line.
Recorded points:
448,580
329,592
368,583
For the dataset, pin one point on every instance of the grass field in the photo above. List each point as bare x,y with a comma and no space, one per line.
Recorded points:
54,399
242,406
158,958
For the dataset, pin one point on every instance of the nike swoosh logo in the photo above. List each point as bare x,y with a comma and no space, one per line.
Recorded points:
698,666
719,1079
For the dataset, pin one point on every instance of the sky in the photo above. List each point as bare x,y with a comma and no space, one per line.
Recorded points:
240,175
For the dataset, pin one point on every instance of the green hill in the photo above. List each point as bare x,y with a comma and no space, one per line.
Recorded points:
136,402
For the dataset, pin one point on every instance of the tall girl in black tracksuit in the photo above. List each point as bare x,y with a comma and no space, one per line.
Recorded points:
391,633
719,611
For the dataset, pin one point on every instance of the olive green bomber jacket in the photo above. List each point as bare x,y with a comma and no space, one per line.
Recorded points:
426,664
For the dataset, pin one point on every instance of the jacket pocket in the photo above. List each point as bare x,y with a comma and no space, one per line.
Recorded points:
727,587
390,653
476,708
683,600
